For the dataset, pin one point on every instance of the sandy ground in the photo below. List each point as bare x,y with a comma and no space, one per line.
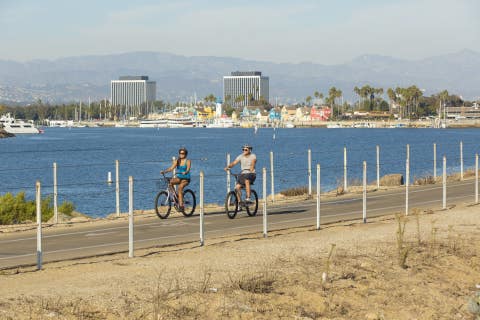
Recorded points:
369,271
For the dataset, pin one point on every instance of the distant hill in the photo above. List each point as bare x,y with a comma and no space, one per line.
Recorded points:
179,77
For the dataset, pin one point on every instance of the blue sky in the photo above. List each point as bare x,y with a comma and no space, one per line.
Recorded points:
327,32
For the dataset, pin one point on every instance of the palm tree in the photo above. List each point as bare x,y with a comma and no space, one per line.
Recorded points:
308,99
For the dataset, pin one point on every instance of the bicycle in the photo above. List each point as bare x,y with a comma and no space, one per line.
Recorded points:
165,199
234,201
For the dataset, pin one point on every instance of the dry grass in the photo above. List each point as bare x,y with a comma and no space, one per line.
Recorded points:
436,281
293,192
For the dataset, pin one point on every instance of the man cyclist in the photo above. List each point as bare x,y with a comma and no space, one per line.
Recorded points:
247,176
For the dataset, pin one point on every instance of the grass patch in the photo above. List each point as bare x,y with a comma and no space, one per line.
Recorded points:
296,191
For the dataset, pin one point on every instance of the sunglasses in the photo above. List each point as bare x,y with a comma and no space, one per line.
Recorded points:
182,153
246,149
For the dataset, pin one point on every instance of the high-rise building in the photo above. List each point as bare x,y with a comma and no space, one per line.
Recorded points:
132,91
242,87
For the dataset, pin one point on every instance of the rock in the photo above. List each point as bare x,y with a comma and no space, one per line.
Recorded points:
5,134
371,316
390,180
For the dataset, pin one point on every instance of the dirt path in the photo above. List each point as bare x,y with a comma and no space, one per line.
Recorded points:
278,277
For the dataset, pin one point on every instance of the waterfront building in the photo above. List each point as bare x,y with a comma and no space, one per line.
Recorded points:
132,91
243,87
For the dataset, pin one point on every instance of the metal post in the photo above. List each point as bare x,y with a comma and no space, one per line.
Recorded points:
55,193
228,174
378,167
407,184
265,230
444,203
117,186
309,172
461,160
39,226
408,151
272,176
345,186
318,196
202,226
364,192
130,217
435,162
476,178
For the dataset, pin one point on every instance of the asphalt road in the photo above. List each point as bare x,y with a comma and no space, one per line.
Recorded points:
94,239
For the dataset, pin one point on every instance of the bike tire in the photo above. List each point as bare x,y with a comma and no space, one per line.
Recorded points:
189,202
231,204
253,207
163,205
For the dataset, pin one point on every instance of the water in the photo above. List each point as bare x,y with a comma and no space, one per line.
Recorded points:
84,157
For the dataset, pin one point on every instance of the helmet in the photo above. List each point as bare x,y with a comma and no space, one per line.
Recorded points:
184,150
247,146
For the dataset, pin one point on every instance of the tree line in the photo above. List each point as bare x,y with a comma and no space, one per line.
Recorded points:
407,102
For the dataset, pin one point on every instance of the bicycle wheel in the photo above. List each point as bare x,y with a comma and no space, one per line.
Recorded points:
163,205
189,202
231,204
253,206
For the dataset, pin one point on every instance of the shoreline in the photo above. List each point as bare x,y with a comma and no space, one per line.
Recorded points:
78,218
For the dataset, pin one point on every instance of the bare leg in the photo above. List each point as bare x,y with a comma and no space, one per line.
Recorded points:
181,186
238,189
247,187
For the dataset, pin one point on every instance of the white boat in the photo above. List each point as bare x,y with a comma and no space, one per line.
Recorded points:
15,126
289,125
161,123
221,123
180,123
334,125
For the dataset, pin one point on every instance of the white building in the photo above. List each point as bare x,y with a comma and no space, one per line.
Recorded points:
132,91
249,85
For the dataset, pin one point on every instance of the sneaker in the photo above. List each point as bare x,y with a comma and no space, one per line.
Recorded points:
247,200
181,209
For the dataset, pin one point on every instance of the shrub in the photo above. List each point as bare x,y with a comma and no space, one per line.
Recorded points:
292,192
66,208
17,209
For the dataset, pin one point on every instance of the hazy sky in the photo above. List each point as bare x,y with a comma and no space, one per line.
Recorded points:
326,32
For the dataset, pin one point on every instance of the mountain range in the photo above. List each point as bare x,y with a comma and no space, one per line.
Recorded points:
180,77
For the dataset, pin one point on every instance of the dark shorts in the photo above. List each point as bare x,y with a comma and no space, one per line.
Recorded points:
246,176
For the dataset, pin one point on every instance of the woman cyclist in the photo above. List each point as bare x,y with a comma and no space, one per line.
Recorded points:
182,166
247,176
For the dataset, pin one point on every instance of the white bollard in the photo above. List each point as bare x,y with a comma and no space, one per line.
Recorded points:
407,184
38,198
55,194
408,151
265,229
202,218
435,162
109,177
228,174
345,185
461,160
318,196
378,167
444,202
117,187
364,192
476,178
272,176
130,217
309,172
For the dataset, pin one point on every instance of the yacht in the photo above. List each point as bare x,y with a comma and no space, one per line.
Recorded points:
184,122
160,123
221,123
15,126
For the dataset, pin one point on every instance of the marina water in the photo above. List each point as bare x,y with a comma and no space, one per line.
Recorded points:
84,156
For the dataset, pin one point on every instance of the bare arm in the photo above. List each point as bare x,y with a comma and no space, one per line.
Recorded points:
189,164
232,164
252,167
174,164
